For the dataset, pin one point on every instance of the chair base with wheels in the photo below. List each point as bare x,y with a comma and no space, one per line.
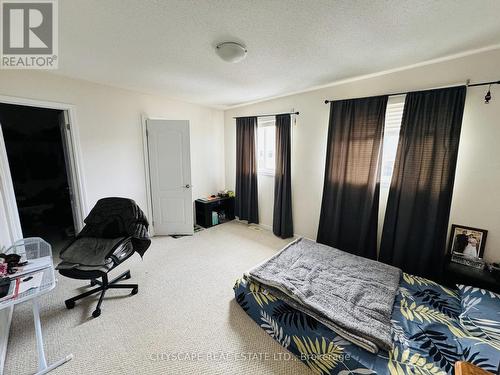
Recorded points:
103,286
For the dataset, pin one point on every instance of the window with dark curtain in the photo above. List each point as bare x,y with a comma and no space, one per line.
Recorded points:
418,207
246,202
349,209
282,215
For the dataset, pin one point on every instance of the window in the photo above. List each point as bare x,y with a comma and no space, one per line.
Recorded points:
393,117
392,125
266,144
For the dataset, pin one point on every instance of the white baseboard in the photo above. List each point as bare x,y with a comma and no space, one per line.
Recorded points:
5,319
269,228
266,227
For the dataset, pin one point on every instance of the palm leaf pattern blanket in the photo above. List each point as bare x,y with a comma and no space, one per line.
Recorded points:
350,294
432,327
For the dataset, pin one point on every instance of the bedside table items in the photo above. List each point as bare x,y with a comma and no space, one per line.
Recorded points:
209,198
471,262
215,218
14,261
9,263
465,264
466,245
225,194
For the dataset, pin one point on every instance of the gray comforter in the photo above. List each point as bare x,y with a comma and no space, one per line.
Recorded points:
351,295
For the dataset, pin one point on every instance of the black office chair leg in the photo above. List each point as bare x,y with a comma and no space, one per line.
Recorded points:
134,287
70,303
124,275
105,286
97,310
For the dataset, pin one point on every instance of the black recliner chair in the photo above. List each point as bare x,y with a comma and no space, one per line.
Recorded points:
113,231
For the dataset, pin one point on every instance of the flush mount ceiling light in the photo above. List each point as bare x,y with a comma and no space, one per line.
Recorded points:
231,51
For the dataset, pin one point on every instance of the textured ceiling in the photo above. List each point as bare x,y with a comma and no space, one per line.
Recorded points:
167,47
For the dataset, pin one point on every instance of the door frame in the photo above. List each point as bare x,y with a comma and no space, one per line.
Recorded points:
76,165
147,174
147,177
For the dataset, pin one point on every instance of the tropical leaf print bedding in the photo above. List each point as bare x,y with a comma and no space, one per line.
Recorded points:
429,329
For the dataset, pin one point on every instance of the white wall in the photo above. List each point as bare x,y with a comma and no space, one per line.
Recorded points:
109,122
476,201
476,198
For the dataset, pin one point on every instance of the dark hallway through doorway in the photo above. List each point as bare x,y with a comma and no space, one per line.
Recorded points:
34,144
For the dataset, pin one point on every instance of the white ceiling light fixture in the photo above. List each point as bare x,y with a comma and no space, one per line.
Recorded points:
231,51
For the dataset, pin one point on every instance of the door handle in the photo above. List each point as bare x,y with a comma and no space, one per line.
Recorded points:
187,186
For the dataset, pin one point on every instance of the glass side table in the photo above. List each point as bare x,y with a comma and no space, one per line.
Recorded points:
38,253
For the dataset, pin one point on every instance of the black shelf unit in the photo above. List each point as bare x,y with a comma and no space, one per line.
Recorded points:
204,210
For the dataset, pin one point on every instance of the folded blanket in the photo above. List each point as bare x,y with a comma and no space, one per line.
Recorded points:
351,295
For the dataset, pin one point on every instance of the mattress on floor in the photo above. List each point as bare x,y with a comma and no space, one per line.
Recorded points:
427,335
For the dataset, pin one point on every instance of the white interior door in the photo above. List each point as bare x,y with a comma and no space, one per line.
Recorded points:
170,175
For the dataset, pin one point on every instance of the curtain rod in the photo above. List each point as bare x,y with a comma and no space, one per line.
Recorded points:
403,93
273,114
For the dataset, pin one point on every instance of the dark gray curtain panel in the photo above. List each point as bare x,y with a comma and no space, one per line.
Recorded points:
246,204
418,208
349,210
282,215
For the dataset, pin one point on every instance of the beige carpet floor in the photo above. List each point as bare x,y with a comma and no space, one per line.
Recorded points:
183,321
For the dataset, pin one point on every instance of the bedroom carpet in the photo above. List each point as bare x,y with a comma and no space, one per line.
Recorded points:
183,321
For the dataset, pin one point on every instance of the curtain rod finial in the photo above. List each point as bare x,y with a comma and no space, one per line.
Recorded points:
327,101
467,82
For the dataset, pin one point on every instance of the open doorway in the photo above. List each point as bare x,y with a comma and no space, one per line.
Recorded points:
38,162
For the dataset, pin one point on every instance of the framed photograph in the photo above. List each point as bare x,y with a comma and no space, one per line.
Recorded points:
467,243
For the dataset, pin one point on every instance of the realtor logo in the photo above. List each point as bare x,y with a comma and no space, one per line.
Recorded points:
29,34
